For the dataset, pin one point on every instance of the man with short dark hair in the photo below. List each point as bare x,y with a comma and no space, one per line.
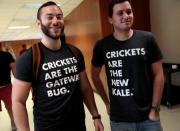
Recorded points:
61,84
134,72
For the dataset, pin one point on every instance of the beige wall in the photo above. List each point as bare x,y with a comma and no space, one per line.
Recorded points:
165,24
83,29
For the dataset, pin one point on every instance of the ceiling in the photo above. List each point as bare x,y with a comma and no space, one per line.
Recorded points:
22,13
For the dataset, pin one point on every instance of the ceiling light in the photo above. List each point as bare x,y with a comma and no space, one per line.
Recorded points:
18,27
34,5
25,19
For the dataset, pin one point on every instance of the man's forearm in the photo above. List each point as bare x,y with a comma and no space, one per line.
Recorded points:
158,86
89,100
101,90
21,117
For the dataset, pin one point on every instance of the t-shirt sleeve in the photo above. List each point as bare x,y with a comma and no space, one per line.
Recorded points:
81,62
97,57
10,58
24,67
154,52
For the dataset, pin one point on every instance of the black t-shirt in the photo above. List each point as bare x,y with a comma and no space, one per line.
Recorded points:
5,71
58,104
128,69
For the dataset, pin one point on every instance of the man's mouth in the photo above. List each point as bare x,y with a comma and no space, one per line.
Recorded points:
125,21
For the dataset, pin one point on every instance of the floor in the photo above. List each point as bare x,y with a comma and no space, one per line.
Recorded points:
170,118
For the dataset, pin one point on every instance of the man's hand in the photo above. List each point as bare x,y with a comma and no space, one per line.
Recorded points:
153,115
98,125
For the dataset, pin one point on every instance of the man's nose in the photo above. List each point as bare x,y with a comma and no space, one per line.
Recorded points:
55,20
125,14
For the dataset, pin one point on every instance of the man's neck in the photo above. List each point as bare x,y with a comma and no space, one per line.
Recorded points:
123,35
51,43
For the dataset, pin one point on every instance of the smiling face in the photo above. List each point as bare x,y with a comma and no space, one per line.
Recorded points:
51,21
122,17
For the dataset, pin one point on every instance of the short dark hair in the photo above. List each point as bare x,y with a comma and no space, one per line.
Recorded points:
49,3
112,3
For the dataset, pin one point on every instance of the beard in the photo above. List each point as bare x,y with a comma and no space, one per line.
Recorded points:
46,31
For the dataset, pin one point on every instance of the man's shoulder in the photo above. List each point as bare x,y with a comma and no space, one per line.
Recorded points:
4,52
72,47
104,40
143,33
26,55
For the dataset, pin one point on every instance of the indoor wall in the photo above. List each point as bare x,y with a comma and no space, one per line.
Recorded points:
14,47
165,19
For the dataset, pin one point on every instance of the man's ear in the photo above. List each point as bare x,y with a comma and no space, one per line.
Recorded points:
110,20
38,23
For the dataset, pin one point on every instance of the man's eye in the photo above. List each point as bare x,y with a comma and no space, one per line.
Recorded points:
129,11
59,17
49,17
120,13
